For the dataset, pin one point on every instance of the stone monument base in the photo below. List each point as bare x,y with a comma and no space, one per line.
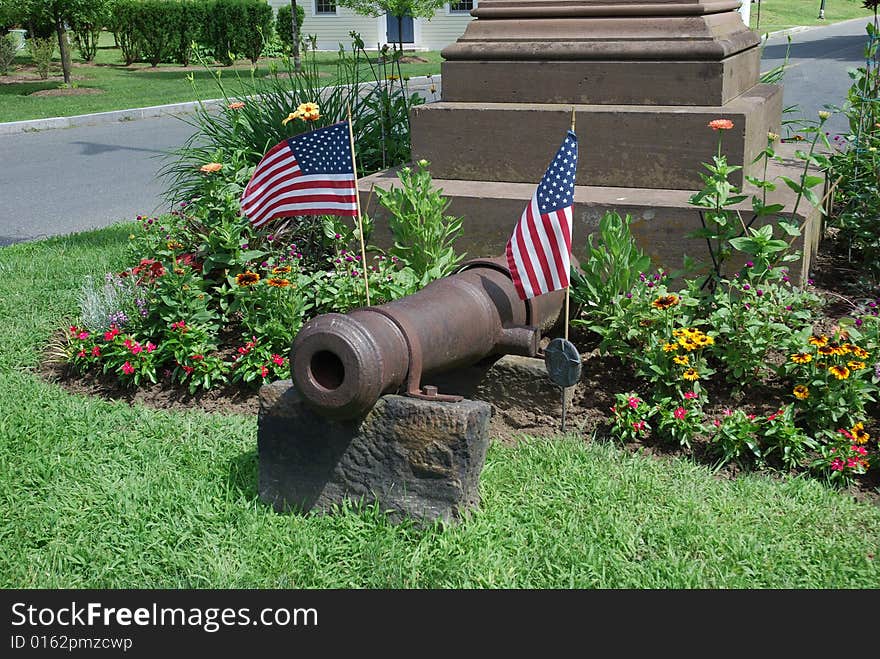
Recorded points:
417,459
661,218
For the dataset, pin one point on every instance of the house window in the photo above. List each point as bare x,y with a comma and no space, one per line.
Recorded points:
325,7
461,7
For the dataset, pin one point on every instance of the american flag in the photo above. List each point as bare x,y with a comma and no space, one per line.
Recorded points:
539,251
310,174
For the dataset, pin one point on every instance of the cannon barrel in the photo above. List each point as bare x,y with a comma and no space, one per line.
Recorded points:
342,363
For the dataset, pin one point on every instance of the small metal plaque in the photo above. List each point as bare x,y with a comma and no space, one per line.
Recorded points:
563,362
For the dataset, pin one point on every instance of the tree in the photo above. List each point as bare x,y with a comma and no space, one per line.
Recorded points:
59,14
400,9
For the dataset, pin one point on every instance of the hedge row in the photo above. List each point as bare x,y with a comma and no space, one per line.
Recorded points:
165,30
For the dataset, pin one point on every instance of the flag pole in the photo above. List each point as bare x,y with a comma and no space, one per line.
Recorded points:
568,288
357,197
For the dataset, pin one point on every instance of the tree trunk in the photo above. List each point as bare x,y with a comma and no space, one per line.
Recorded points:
400,33
62,47
297,60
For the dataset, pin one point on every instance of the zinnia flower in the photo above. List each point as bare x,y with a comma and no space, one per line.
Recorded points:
665,302
211,167
691,374
633,402
802,358
247,278
690,395
278,282
840,372
837,464
721,124
801,392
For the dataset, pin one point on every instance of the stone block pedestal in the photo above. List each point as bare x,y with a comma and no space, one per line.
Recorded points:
418,459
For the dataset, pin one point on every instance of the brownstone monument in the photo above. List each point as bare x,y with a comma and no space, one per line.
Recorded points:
644,78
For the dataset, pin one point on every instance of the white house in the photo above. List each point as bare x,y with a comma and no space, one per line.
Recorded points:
332,24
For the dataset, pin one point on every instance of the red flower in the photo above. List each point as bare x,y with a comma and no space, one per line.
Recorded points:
82,335
187,369
639,425
73,329
135,348
150,346
81,353
127,368
837,464
198,358
680,413
690,395
278,359
96,351
113,333
264,371
148,269
179,325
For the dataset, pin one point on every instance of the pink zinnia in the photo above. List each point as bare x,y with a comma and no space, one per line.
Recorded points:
127,368
135,348
278,359
96,351
82,335
150,346
861,450
837,464
633,402
680,413
690,395
639,425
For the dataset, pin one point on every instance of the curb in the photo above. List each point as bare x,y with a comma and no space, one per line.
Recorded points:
419,84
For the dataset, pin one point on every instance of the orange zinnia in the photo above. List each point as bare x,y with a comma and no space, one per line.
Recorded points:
721,124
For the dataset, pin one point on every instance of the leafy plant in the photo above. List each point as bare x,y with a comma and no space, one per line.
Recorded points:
630,416
424,236
8,50
41,51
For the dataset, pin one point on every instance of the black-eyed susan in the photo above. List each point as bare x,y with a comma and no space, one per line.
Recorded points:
665,302
801,392
281,270
858,352
278,282
840,350
681,360
691,374
827,351
854,365
818,341
840,372
247,278
858,433
802,358
670,347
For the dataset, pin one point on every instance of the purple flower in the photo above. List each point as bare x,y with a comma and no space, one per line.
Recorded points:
244,246
746,287
759,292
650,284
337,236
629,296
788,307
270,237
810,282
747,306
749,264
859,322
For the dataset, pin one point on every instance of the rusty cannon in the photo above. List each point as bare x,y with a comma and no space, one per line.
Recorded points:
342,363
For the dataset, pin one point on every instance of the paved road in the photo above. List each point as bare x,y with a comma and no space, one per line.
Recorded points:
817,69
65,180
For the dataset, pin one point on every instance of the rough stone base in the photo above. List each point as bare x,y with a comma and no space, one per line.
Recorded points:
661,218
418,459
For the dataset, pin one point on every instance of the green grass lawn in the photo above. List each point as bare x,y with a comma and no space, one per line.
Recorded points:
140,85
773,15
100,494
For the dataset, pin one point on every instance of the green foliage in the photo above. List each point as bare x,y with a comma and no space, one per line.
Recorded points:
735,438
256,28
423,235
191,16
155,30
41,51
611,268
86,22
630,415
8,50
284,25
123,17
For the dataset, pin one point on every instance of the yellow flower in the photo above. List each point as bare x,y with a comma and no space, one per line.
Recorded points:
840,372
801,392
704,340
824,114
291,117
691,374
858,433
211,167
393,77
827,351
278,282
681,360
665,302
688,343
802,358
670,347
840,350
281,270
819,341
856,365
247,278
309,111
772,137
861,353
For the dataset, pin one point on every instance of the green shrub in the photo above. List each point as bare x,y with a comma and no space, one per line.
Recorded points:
257,28
191,15
86,23
155,28
8,48
284,27
41,51
123,16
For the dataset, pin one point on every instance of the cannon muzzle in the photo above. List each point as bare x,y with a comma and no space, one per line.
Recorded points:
342,363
